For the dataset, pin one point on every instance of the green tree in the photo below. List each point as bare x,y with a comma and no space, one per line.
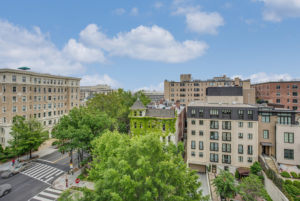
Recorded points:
76,130
26,135
140,168
116,105
225,185
251,188
255,168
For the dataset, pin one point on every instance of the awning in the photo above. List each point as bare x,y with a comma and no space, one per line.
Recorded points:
266,144
243,171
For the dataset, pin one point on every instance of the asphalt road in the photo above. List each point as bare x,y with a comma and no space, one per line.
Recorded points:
23,187
38,177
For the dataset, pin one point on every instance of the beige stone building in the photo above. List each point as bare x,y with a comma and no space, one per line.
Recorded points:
223,136
288,144
188,90
35,95
87,92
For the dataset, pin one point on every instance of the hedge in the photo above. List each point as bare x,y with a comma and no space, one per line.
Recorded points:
294,175
285,174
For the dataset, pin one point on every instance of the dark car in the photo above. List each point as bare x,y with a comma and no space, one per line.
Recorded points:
4,189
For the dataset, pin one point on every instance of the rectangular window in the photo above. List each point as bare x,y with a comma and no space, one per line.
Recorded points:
241,124
295,86
193,144
226,159
193,122
214,146
240,158
226,147
289,154
200,122
214,124
277,100
193,153
214,135
14,78
214,112
250,124
214,158
250,159
201,154
266,134
201,133
14,99
265,118
295,93
226,136
14,108
201,147
240,149
250,114
250,149
24,89
23,79
193,132
250,136
14,89
226,125
24,108
201,113
241,135
288,137
241,114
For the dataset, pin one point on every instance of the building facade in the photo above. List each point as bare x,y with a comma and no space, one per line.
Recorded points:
189,90
284,93
148,120
87,92
154,96
35,95
223,136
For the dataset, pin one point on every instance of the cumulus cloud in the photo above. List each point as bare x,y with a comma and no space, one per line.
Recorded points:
199,21
22,47
158,4
91,80
159,87
264,77
145,43
277,10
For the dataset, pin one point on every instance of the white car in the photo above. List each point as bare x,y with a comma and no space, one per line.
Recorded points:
4,189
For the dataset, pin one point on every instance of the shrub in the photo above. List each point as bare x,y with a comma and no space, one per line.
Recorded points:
236,174
288,182
297,184
292,190
285,174
255,168
294,175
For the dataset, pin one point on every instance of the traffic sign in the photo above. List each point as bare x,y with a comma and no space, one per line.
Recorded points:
77,180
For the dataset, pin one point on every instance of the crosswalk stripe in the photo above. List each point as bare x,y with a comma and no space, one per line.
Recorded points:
40,171
32,168
48,173
49,194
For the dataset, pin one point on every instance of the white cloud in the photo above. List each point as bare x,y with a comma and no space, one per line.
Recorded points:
159,87
158,4
119,11
264,77
145,43
199,21
91,80
134,11
21,47
276,10
79,52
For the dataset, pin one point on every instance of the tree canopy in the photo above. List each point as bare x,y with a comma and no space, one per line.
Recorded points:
77,129
116,105
225,185
27,135
140,168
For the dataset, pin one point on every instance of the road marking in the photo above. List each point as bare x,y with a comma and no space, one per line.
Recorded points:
44,160
49,194
60,159
42,172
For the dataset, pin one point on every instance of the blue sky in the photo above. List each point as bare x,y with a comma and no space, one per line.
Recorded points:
138,44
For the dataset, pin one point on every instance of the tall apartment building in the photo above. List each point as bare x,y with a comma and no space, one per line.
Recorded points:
35,95
285,93
224,135
189,90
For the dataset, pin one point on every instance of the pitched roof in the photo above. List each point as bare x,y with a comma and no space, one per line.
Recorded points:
165,113
138,105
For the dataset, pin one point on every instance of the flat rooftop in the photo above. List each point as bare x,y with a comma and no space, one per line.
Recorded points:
204,104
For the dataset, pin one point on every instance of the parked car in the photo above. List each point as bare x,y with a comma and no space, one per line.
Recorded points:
14,170
4,189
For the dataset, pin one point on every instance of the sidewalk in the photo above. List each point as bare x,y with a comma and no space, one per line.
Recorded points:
60,182
44,149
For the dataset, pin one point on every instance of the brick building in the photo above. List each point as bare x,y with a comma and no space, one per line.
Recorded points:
285,93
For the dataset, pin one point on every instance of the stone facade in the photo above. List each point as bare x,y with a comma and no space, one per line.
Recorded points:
222,135
188,90
35,95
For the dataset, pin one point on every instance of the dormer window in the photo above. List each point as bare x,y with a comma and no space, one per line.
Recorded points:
134,113
141,113
164,127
